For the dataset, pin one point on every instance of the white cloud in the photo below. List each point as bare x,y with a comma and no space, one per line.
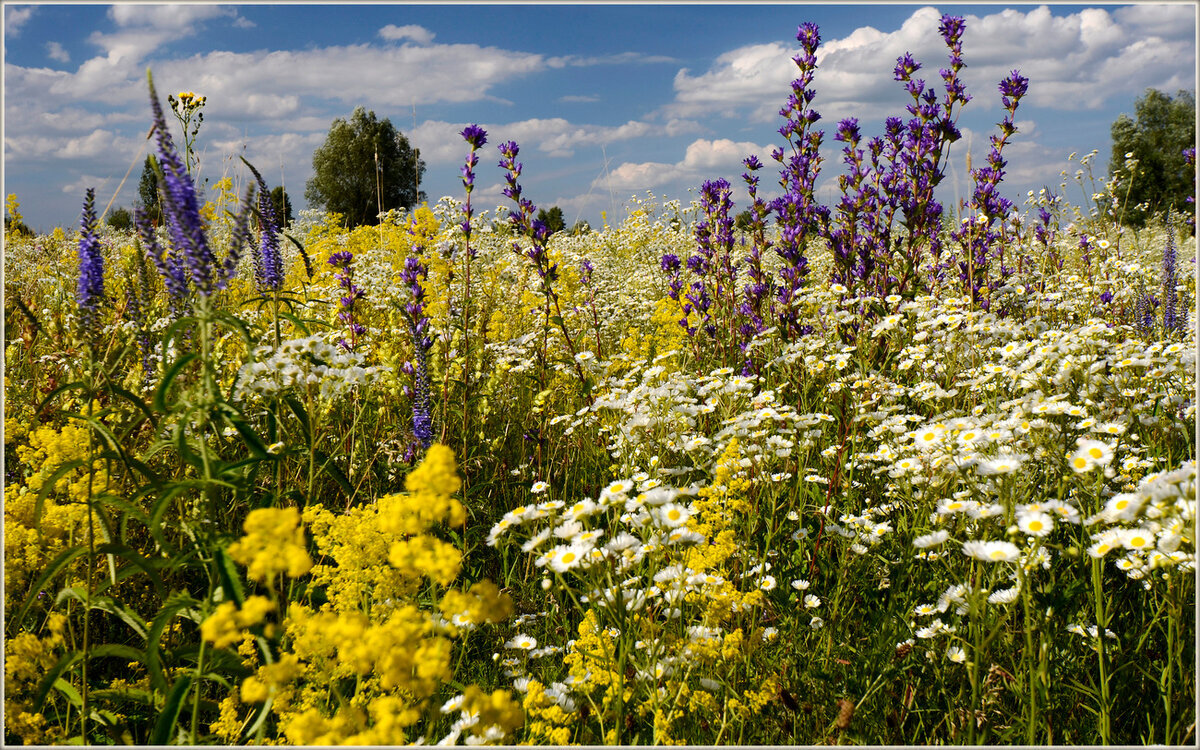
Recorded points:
55,51
174,17
441,142
418,34
579,98
703,159
1077,61
15,17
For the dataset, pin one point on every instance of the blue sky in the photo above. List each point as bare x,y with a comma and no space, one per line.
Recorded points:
607,101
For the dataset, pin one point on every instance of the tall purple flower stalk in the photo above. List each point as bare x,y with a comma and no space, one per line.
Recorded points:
1189,158
350,295
797,212
181,208
90,291
756,295
418,325
171,266
979,237
476,137
713,263
1172,320
268,262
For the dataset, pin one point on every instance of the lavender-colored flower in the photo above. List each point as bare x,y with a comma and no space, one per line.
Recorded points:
413,274
268,261
90,292
474,135
171,266
341,261
1172,320
181,208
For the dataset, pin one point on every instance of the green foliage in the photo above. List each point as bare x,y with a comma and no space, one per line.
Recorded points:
552,218
148,191
1156,137
120,219
364,168
581,227
283,205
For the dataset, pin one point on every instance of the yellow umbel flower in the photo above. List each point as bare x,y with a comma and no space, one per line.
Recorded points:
274,543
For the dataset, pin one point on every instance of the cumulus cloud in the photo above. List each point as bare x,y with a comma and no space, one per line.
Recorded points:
1077,61
15,17
441,142
418,34
55,51
702,159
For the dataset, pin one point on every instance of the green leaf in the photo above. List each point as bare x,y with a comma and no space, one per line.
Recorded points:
63,559
160,394
68,690
170,609
77,385
251,439
170,711
230,581
336,474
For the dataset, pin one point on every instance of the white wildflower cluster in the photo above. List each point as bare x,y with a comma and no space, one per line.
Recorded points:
1151,528
310,363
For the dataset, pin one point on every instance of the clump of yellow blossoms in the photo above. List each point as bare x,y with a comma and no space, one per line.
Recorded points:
227,624
367,667
27,659
274,543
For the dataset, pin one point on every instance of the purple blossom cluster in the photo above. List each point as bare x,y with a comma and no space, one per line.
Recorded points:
181,210
268,262
888,178
350,295
522,219
414,273
1189,158
1172,320
797,212
476,137
978,238
90,291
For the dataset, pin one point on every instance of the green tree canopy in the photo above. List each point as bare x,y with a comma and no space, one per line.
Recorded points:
282,204
148,191
344,169
552,218
120,219
1156,137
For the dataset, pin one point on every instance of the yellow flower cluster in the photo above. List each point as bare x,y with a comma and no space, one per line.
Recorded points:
227,625
548,723
483,602
27,659
274,543
371,638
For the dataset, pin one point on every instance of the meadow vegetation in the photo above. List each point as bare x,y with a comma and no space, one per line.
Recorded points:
860,473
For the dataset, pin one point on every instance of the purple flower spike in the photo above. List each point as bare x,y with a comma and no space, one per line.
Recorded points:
90,293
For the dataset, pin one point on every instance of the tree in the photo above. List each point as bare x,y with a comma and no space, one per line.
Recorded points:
364,167
283,205
148,191
553,219
1163,128
120,219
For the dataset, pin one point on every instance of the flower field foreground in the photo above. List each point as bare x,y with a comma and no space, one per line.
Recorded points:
842,475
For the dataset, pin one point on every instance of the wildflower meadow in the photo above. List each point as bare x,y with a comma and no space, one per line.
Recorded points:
878,472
